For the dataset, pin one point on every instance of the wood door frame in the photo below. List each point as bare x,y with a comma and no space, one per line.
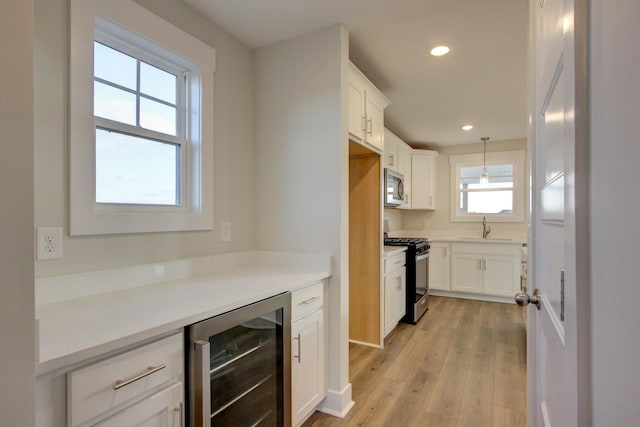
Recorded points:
578,374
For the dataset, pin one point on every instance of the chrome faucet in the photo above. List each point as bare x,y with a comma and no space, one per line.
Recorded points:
486,229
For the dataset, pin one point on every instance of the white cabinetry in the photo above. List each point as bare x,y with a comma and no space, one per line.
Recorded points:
423,179
366,111
392,151
395,286
163,409
485,268
440,266
308,351
405,154
397,156
143,384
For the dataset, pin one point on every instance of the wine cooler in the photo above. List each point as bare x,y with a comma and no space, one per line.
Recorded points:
239,367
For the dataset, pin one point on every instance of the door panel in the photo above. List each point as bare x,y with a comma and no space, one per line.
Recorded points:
552,357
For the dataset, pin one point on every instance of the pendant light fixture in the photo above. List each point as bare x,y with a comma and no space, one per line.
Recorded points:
484,178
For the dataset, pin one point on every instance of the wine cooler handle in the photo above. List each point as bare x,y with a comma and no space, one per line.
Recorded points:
203,384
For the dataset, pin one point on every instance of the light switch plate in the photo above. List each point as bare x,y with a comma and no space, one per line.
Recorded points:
225,231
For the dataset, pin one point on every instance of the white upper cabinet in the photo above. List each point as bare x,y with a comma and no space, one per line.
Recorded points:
423,179
366,111
405,153
392,151
397,156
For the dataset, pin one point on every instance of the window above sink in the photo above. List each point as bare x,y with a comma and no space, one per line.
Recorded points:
501,199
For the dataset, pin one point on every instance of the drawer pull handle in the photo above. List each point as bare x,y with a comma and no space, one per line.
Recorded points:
150,370
310,300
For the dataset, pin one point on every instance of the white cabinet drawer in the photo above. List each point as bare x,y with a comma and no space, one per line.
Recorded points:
163,409
112,383
394,263
307,300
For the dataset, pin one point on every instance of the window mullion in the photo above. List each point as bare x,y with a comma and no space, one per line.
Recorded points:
138,93
115,126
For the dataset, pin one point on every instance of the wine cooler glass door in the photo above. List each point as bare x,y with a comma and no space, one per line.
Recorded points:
241,374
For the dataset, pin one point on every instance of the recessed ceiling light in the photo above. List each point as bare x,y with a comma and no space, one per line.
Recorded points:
467,127
439,50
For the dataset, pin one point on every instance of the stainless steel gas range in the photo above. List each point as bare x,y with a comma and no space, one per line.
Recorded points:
417,264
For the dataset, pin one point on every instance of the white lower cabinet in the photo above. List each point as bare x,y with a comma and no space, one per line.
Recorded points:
395,291
163,409
491,269
141,386
308,352
440,266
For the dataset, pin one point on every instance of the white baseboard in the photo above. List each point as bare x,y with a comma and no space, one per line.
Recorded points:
337,403
479,297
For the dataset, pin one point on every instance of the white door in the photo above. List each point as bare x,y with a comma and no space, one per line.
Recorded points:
558,369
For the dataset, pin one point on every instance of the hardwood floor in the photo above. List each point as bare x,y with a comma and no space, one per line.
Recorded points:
462,365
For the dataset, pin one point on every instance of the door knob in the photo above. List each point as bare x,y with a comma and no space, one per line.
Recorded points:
523,298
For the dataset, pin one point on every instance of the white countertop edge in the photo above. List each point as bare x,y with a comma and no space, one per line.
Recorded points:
77,329
459,236
496,240
390,251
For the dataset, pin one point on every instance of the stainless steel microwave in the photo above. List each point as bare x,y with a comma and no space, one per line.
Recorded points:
394,185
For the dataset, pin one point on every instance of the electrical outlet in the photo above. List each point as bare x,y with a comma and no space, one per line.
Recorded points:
225,232
48,243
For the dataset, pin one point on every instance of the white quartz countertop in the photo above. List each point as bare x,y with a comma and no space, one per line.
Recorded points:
457,236
488,240
393,250
76,329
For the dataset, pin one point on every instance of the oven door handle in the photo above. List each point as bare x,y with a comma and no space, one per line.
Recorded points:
422,257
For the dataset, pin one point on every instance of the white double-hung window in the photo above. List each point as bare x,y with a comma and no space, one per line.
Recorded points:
500,198
141,96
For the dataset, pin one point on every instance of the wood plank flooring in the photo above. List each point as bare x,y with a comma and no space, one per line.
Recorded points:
462,365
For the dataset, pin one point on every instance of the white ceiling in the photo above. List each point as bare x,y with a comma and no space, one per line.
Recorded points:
482,81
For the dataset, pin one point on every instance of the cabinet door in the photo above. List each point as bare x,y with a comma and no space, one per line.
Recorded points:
404,166
466,273
357,118
375,121
395,299
391,281
423,181
439,267
307,365
501,275
392,151
401,300
163,409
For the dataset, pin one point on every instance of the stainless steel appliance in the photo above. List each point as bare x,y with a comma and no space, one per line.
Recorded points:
239,366
417,264
394,186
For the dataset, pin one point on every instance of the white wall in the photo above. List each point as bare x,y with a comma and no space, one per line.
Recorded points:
302,166
440,219
233,148
17,353
615,203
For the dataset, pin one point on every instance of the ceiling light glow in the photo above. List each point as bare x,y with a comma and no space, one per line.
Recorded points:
467,127
439,50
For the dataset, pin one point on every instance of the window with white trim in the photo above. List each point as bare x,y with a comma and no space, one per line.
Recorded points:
141,138
500,198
